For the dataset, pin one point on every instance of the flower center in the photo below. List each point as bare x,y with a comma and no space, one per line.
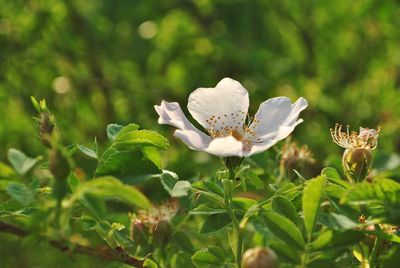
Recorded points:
236,135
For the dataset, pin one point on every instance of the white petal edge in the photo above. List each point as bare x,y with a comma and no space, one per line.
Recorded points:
276,113
220,108
171,114
281,134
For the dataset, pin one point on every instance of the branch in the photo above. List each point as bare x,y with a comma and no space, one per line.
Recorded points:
105,253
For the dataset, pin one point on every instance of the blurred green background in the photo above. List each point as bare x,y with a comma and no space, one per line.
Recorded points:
99,62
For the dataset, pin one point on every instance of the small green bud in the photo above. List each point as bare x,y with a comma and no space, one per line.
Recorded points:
357,164
259,257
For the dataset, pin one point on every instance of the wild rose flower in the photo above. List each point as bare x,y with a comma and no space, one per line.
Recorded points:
357,158
222,111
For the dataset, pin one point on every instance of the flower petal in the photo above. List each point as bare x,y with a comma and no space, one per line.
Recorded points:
220,109
171,113
268,142
276,118
225,146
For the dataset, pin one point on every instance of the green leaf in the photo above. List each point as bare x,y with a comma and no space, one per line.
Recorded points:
215,223
380,190
183,241
20,162
392,259
331,240
126,165
126,129
87,151
333,176
210,256
284,229
20,193
284,207
6,171
338,221
203,209
250,177
168,180
73,182
113,130
149,263
111,188
312,198
153,154
288,253
382,195
181,188
140,138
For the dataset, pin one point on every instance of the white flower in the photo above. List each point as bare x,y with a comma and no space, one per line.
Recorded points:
366,139
222,111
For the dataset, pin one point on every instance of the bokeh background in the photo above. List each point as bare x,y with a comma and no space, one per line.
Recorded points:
98,62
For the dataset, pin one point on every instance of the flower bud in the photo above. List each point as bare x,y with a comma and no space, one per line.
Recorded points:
357,163
46,127
259,258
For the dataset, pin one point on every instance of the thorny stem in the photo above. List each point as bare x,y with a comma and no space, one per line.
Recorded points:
117,254
237,230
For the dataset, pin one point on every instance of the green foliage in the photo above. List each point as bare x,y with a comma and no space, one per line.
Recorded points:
99,62
312,198
20,162
210,256
110,187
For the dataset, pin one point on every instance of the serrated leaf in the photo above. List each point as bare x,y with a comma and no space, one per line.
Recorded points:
181,188
312,198
87,151
284,207
210,256
153,154
20,162
284,229
215,223
20,193
140,138
380,190
126,129
110,187
112,131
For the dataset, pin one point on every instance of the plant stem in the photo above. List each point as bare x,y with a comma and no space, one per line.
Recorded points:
237,231
376,248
